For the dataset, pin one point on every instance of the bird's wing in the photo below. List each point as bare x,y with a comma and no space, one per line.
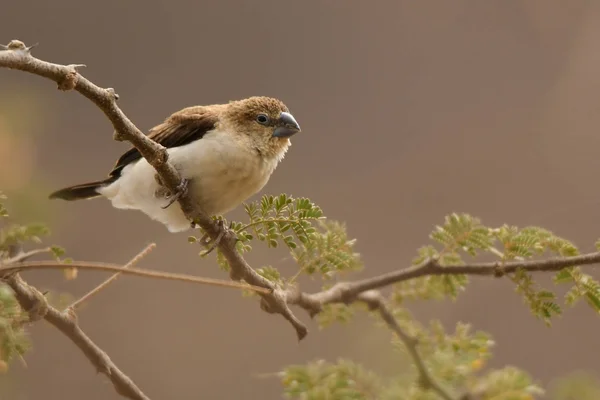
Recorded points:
179,129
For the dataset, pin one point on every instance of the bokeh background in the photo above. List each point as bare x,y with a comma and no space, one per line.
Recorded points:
410,111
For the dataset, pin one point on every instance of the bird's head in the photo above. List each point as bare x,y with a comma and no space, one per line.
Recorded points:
266,121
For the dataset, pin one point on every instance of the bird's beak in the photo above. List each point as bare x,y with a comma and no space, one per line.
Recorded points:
286,126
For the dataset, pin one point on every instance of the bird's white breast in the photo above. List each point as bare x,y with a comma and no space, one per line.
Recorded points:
222,172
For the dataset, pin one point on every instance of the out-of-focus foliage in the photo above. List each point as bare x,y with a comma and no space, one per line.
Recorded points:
13,238
455,360
13,338
463,235
321,380
577,386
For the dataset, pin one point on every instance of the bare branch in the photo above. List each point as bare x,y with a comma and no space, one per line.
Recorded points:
31,265
113,278
375,301
18,56
33,301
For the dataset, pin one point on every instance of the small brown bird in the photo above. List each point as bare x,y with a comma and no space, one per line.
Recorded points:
225,153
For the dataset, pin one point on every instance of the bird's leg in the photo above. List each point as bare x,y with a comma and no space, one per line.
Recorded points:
181,190
206,242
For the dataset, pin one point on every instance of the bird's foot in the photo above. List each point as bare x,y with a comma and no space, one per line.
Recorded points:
212,244
181,190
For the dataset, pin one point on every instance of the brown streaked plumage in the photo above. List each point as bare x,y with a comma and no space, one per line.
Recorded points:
224,152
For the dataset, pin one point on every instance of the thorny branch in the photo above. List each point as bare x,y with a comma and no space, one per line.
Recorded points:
274,299
18,56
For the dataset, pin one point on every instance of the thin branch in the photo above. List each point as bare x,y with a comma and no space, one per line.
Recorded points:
98,266
33,301
375,301
18,56
27,255
345,291
113,278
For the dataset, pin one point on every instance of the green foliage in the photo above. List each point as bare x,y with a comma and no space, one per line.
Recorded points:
508,383
3,210
455,360
16,235
462,233
432,287
281,219
531,241
328,252
344,380
541,302
584,286
317,246
333,313
13,338
14,341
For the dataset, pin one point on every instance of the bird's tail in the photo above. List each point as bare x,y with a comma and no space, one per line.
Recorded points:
80,192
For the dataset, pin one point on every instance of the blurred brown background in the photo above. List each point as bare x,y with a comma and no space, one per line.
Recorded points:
410,111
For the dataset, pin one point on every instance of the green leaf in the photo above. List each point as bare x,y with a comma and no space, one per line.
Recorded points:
564,275
593,300
57,252
328,252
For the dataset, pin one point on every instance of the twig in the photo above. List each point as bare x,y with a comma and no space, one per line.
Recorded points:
113,278
18,56
375,301
32,300
31,265
27,255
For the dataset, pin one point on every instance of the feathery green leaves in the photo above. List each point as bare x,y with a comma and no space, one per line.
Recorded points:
328,251
3,210
319,380
280,219
13,338
316,245
462,233
334,313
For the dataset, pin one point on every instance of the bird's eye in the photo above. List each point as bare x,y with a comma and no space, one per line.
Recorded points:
262,119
